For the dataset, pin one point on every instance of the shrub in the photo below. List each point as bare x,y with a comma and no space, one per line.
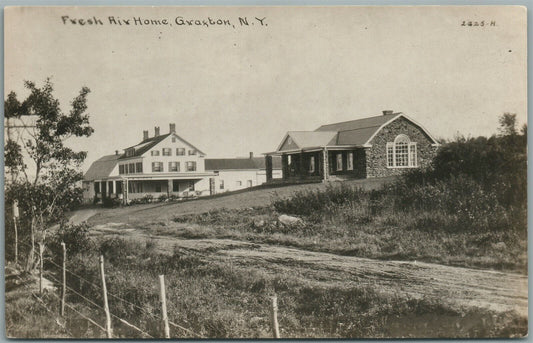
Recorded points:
111,202
75,237
310,201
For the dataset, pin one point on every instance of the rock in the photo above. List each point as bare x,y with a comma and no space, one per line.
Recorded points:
500,246
289,220
259,223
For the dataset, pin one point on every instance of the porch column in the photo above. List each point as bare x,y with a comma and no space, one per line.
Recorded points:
268,165
125,191
115,188
169,187
325,165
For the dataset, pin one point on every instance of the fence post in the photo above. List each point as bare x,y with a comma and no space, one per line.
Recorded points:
162,296
15,216
64,287
106,305
274,317
41,248
16,241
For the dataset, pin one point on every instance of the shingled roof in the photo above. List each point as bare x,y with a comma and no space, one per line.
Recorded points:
101,168
149,143
353,133
240,163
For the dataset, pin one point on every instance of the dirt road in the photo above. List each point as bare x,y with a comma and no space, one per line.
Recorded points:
461,288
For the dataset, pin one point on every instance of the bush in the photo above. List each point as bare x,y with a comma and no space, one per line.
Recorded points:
311,201
111,202
75,237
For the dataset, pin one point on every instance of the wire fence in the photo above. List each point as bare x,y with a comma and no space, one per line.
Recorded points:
91,305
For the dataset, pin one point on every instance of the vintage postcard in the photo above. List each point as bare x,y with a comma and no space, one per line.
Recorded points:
265,172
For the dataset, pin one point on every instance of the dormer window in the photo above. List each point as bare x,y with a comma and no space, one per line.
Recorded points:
130,152
192,152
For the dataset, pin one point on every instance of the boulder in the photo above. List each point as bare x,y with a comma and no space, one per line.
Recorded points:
289,220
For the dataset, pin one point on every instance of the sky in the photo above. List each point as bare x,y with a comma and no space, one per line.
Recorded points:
234,88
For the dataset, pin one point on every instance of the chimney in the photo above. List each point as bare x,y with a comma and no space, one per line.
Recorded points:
116,152
145,135
386,112
156,131
172,128
251,155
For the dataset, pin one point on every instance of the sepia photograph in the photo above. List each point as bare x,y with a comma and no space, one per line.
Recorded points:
274,172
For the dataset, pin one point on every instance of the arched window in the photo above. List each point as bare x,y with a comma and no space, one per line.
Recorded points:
401,153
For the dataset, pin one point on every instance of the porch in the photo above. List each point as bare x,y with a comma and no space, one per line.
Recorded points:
321,164
137,187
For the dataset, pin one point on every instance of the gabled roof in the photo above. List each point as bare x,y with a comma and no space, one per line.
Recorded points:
101,168
240,163
149,143
356,133
358,124
304,139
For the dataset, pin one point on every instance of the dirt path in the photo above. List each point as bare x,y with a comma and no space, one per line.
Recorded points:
459,287
81,216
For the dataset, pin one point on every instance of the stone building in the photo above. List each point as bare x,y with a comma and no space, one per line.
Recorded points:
384,145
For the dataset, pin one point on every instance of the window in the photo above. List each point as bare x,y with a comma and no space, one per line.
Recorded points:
175,186
339,162
173,139
180,151
191,166
192,152
157,166
97,187
167,152
401,153
238,183
173,166
139,167
349,163
121,169
130,152
191,186
158,188
155,152
412,155
390,155
135,187
131,168
312,164
221,184
249,183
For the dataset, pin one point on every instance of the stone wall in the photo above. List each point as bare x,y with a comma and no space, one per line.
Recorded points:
376,156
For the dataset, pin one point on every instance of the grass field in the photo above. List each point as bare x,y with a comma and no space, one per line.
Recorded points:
353,273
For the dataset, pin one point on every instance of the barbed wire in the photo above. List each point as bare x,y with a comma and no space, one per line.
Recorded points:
42,303
101,308
154,316
81,314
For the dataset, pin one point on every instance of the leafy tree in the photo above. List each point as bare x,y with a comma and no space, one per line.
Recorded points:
508,124
497,163
51,184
